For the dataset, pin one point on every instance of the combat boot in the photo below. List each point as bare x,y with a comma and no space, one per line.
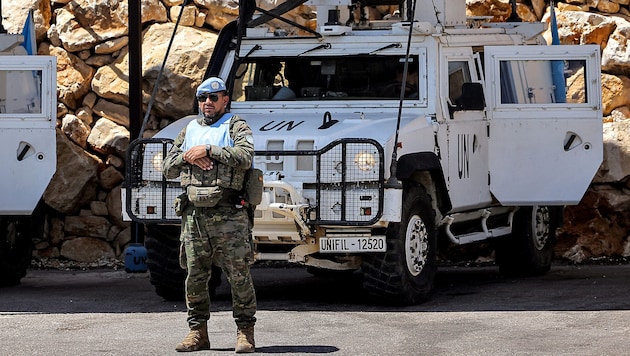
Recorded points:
197,339
245,340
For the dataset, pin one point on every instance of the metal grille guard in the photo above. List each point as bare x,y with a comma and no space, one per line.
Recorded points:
348,186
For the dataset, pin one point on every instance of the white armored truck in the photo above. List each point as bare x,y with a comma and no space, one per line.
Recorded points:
28,107
382,140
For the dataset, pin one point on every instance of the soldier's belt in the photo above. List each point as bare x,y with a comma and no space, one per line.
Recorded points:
204,197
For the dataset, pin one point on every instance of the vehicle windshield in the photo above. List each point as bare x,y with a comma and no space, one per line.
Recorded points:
366,77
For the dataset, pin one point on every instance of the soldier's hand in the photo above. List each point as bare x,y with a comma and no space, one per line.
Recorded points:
204,163
195,153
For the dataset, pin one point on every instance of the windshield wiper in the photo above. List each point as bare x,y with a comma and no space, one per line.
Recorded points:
321,46
254,49
391,45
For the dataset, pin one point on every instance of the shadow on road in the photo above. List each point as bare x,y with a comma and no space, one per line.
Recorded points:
457,289
290,349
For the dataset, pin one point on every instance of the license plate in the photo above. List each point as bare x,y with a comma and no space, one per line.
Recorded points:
352,244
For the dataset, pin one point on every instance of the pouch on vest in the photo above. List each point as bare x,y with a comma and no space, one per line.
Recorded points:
254,186
204,197
180,203
183,261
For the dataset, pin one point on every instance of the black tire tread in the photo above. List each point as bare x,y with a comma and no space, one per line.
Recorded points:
165,273
15,256
384,274
516,255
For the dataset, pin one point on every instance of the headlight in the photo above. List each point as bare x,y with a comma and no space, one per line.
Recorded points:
156,161
365,161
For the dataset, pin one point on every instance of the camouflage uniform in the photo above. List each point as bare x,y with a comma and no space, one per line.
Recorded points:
219,234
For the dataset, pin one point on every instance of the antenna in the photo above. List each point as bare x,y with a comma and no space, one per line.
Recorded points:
392,181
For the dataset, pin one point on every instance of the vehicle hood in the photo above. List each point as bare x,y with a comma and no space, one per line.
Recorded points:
320,129
291,128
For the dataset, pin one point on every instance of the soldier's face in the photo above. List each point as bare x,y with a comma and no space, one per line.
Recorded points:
212,104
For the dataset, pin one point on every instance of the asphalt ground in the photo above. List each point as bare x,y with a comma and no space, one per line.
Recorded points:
573,310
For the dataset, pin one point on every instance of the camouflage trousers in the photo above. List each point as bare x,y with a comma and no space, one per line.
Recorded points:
218,235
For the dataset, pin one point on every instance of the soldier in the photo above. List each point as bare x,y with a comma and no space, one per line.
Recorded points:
211,156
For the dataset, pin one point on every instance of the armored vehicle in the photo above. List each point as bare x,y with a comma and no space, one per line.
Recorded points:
384,140
28,107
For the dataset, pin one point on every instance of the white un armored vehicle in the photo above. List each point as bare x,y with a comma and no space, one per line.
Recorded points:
28,107
493,132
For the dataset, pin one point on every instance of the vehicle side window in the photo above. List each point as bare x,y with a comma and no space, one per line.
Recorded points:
458,74
22,95
463,93
542,81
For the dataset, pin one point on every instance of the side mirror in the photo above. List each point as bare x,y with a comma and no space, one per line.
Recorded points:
472,97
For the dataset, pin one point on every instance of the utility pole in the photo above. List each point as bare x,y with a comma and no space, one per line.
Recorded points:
135,86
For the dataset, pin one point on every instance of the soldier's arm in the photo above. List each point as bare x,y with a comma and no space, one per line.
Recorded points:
174,161
241,155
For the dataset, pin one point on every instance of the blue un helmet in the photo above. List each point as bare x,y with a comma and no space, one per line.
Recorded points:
211,85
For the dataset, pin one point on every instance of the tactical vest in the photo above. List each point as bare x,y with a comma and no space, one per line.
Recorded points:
219,134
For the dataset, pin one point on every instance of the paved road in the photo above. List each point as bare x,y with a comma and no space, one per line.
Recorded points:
573,310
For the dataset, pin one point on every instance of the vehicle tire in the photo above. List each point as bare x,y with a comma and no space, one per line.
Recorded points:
16,249
405,273
165,273
528,251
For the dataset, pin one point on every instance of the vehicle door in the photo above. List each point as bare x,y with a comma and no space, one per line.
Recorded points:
462,98
28,96
545,114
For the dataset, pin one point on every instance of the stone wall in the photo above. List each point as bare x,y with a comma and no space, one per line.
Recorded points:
89,39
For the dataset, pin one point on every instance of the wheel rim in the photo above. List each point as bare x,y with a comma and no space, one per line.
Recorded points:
416,245
540,227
